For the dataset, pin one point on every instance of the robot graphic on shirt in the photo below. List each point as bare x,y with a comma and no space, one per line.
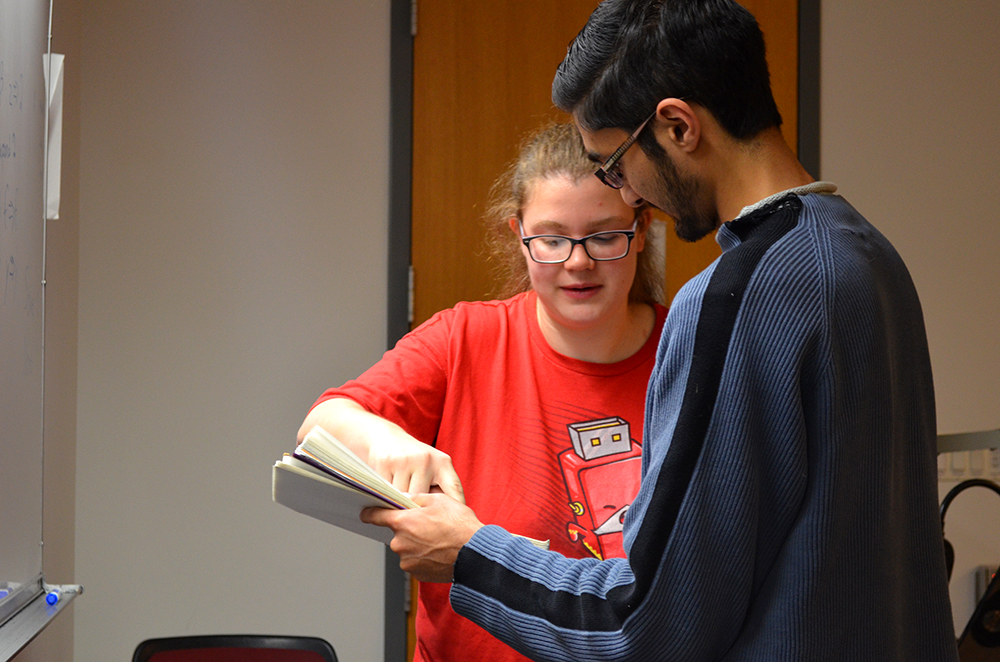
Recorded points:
601,472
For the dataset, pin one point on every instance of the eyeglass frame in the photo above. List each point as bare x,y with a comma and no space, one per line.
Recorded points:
607,173
582,241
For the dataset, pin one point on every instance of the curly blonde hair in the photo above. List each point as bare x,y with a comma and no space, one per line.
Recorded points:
554,151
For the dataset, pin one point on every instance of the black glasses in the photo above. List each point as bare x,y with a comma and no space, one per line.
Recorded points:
600,246
608,172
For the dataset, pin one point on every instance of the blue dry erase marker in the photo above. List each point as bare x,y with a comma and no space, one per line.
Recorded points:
52,595
4,592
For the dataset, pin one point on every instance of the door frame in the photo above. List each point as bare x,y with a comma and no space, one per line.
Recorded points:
399,305
398,313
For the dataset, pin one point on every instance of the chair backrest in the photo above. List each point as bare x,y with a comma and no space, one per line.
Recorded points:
234,648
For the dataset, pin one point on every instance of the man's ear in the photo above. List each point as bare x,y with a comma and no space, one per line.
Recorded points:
513,225
677,120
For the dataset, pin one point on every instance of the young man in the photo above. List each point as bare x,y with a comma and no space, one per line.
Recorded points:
788,507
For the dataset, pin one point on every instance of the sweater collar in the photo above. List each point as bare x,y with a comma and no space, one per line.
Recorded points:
815,187
728,239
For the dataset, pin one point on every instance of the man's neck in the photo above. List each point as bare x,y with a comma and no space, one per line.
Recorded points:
754,170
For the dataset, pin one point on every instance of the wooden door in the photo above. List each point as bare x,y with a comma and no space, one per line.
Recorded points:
482,79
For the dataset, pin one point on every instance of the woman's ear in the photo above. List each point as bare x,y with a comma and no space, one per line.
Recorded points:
514,224
644,220
677,120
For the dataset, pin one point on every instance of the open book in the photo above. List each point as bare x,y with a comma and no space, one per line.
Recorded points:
324,479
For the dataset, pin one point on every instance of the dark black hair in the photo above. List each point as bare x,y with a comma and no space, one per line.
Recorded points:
633,53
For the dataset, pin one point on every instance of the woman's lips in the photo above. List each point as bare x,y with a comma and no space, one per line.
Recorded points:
582,291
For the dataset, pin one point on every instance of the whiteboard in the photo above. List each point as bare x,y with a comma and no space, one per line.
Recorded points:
23,33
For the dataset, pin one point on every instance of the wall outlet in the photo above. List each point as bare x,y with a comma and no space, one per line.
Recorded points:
962,465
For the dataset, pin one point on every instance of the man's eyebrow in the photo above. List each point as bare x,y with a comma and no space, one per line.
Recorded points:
595,157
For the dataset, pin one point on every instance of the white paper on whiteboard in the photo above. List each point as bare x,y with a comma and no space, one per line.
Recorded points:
54,83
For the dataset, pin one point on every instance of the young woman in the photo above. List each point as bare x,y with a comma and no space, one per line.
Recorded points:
530,408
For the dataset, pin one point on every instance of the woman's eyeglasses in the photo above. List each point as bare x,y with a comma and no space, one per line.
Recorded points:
600,246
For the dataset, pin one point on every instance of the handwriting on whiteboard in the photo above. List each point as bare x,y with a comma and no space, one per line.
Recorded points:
15,289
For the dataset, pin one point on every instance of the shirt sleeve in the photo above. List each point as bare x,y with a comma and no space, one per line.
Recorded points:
409,384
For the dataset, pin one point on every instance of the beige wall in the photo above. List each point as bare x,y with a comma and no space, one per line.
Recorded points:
232,223
224,205
234,159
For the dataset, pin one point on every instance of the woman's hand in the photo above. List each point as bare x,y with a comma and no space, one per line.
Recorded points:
409,464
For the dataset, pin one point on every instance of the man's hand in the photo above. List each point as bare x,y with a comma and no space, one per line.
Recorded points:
427,538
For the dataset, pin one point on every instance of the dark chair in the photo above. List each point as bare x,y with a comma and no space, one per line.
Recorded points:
234,648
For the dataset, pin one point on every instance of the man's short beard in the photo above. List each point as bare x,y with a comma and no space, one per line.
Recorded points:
680,195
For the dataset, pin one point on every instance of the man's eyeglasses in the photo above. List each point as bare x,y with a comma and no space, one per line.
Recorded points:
609,172
600,246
